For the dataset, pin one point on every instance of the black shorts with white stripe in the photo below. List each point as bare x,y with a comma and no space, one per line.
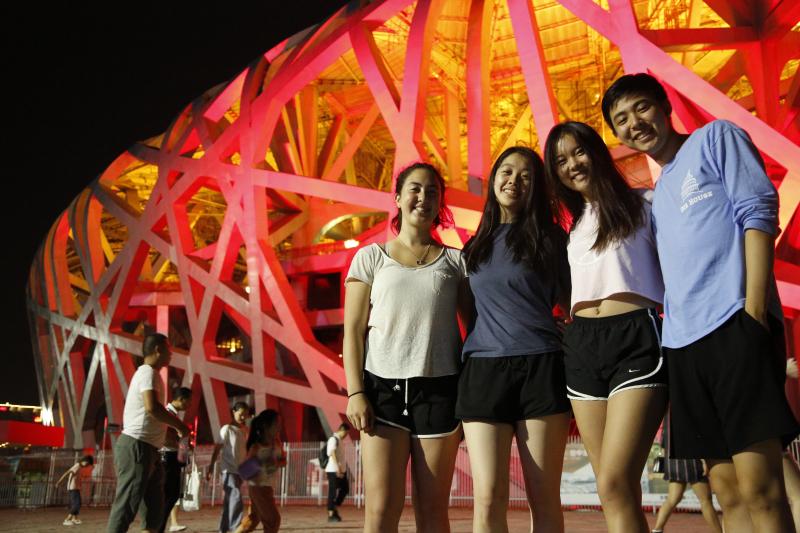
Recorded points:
425,407
608,355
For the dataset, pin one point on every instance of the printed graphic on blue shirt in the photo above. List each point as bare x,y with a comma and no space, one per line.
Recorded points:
691,192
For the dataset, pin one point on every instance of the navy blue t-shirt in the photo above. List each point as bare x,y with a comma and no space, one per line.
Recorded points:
514,305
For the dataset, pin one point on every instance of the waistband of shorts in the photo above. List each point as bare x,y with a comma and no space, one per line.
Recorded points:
415,379
622,317
517,357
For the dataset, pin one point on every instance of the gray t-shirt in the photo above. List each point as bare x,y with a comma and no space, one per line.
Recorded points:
413,326
514,305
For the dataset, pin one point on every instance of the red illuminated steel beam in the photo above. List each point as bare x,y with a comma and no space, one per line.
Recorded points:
261,144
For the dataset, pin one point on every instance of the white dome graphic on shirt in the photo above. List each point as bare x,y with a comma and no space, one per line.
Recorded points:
689,186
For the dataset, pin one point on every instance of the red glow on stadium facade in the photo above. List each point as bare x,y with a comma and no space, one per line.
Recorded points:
231,232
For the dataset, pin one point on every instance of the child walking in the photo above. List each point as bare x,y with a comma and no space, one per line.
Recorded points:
73,476
264,445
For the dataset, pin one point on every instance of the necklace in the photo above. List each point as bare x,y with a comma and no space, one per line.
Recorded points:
420,260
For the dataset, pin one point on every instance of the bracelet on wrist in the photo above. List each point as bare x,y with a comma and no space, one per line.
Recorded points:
353,394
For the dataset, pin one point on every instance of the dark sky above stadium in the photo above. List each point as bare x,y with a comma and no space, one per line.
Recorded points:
82,83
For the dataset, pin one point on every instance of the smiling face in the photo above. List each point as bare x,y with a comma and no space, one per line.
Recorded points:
574,166
419,198
511,184
642,123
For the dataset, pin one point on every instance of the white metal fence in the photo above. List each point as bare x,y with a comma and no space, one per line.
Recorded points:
28,481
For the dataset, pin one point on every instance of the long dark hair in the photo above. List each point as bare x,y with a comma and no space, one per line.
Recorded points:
534,235
444,217
260,425
619,208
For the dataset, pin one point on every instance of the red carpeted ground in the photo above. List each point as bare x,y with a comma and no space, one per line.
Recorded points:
298,518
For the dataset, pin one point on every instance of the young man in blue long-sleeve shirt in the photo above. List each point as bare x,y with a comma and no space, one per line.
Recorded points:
715,215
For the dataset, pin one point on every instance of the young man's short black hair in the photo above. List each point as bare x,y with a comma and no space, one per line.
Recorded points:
151,342
343,427
182,393
241,405
640,83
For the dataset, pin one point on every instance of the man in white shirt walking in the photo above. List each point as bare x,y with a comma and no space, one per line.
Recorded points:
140,478
336,469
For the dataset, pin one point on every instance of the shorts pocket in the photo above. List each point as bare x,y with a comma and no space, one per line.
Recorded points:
754,323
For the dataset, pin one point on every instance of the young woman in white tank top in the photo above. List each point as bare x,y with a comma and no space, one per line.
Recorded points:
616,376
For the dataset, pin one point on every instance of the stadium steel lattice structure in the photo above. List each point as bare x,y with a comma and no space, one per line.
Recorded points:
231,231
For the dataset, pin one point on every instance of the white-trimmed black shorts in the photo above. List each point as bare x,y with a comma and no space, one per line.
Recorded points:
604,356
425,407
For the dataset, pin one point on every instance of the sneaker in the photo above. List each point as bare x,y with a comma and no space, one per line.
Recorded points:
76,521
334,517
68,522
176,527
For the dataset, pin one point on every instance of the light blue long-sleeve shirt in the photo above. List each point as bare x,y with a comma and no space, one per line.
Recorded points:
707,196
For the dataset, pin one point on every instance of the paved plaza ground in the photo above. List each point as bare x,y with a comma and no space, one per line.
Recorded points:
300,518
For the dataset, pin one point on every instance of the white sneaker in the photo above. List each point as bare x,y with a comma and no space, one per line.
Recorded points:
176,527
76,521
68,522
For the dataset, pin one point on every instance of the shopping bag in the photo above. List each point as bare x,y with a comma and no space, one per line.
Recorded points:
191,496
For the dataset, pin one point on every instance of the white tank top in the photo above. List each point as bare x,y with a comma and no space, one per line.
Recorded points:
630,266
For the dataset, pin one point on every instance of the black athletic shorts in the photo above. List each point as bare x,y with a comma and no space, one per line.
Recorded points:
513,388
422,406
604,356
727,390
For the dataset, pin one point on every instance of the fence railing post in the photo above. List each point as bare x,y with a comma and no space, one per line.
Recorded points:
285,472
49,478
214,484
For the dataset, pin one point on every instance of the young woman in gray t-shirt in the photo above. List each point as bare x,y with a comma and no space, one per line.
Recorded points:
401,357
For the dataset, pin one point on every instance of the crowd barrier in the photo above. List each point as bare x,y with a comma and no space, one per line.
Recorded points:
29,481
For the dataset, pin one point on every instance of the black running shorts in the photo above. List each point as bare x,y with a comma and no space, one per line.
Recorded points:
605,356
513,388
422,406
727,390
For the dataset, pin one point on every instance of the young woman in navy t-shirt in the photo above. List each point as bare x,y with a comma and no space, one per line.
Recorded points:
512,384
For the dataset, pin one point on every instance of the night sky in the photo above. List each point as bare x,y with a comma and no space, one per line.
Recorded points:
84,84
